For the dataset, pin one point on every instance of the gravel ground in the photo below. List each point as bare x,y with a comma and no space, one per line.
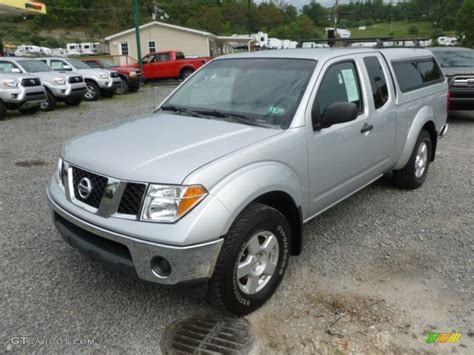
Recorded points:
378,272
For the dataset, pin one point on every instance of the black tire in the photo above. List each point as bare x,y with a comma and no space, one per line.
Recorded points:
185,73
30,110
93,91
3,110
50,103
124,88
224,287
74,102
407,177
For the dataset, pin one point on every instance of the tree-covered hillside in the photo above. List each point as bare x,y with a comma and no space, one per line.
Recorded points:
224,17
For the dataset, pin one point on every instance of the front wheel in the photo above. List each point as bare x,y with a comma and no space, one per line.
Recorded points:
49,103
414,173
252,261
93,91
123,89
3,110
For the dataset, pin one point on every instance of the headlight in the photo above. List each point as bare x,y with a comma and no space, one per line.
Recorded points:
104,75
12,83
60,81
167,203
132,74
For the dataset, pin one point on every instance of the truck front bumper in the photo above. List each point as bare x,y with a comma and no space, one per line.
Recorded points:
68,91
137,257
24,97
461,98
110,85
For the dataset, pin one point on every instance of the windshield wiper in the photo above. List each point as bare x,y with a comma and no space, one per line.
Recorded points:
234,116
184,110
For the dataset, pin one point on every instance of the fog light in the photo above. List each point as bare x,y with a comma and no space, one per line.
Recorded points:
14,96
63,91
160,267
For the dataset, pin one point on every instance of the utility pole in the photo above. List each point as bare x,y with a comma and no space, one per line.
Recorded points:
250,20
336,17
136,12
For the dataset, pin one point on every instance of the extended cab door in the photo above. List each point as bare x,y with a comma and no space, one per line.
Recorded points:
158,66
345,157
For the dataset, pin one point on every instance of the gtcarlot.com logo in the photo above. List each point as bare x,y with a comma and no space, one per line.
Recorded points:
26,340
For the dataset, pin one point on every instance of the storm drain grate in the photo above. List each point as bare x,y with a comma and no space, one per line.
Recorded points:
208,334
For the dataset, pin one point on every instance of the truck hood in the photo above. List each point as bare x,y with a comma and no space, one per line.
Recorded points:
458,71
51,75
163,148
93,72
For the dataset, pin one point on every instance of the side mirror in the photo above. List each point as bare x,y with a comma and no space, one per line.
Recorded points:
16,70
67,67
338,112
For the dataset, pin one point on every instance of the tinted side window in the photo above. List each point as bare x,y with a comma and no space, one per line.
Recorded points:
415,74
179,55
6,67
378,81
430,71
340,84
57,65
408,76
93,64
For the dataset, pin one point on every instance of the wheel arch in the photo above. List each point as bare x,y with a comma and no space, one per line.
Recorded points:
284,203
423,120
186,67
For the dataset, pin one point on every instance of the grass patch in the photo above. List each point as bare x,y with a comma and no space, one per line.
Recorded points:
397,29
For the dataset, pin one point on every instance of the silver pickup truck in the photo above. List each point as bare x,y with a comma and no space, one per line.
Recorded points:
60,87
99,82
19,92
216,185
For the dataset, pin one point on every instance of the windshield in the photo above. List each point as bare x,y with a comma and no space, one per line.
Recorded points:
456,59
78,64
34,66
108,63
259,91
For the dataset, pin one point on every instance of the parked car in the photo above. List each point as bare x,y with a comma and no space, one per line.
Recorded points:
170,64
60,87
99,82
215,186
19,92
458,65
131,77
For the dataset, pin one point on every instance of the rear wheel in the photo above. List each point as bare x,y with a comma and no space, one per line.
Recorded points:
93,91
414,173
185,73
50,103
252,261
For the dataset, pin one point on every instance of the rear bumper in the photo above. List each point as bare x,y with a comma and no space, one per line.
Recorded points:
134,256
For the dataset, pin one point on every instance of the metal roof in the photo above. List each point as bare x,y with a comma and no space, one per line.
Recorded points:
162,24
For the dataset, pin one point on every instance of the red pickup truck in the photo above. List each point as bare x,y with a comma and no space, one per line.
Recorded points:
170,64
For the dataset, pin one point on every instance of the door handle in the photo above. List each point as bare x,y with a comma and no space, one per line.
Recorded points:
366,128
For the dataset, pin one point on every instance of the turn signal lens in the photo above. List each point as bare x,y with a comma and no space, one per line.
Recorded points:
191,197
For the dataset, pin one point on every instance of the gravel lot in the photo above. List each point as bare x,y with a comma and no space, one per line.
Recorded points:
377,273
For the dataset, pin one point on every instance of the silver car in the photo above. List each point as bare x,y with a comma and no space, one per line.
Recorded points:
215,187
99,82
60,87
19,92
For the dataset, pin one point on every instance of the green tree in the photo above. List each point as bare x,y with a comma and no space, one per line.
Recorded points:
464,23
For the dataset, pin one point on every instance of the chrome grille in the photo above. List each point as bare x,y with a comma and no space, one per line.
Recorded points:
75,79
114,75
98,184
30,82
463,81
